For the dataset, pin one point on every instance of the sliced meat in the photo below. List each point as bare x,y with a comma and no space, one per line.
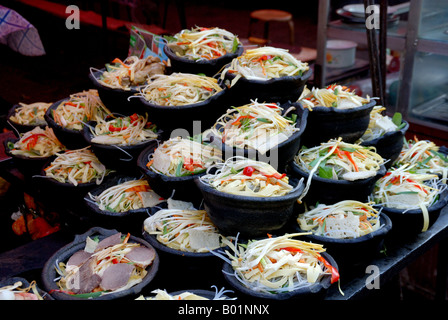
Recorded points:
85,280
109,241
116,276
78,258
141,256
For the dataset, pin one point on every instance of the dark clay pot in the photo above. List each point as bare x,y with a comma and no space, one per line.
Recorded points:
249,216
27,165
184,188
62,255
366,247
278,156
116,100
189,119
130,220
331,123
410,223
25,284
208,67
330,191
122,158
281,89
389,145
16,127
314,291
72,139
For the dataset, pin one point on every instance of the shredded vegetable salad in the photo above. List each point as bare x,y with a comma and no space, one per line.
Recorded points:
184,229
401,189
424,157
37,143
265,63
30,114
126,196
201,43
338,160
259,126
105,269
346,219
80,108
179,89
246,177
131,72
278,264
125,131
180,157
333,96
380,124
76,166
186,295
16,291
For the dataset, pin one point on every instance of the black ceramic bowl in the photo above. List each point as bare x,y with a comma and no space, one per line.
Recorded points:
122,158
315,290
17,126
27,165
63,193
208,67
116,100
389,145
62,255
330,191
130,220
72,139
278,156
249,216
25,284
184,188
410,223
281,89
331,123
365,247
193,118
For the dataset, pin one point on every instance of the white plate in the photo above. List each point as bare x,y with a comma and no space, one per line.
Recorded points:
357,10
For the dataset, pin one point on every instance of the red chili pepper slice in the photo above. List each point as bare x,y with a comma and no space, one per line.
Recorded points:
248,171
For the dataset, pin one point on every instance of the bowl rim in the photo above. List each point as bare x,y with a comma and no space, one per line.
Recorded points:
87,135
18,126
152,239
296,135
336,111
304,77
201,104
295,169
54,182
78,243
106,185
314,288
384,228
94,74
17,156
142,160
438,205
52,123
387,135
291,196
13,279
230,55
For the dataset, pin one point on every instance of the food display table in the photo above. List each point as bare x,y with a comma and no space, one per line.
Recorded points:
358,282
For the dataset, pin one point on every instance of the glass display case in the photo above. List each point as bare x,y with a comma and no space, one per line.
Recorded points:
422,97
419,91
